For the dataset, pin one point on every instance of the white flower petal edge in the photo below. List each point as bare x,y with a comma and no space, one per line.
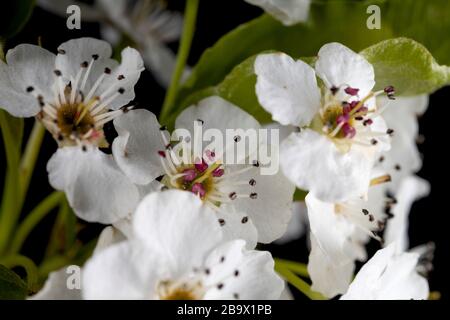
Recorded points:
312,161
288,12
389,274
56,286
297,226
411,189
337,65
26,66
95,187
287,89
178,253
136,147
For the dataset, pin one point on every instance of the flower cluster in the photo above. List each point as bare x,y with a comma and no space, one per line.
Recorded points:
183,227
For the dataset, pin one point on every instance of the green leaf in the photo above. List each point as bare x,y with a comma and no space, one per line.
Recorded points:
13,16
407,65
11,285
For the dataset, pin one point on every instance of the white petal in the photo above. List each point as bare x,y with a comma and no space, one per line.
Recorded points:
289,12
287,89
177,224
298,224
221,117
388,275
123,271
27,66
77,51
216,113
109,236
337,65
312,162
256,278
328,277
411,189
136,148
401,116
95,187
234,227
271,211
55,288
124,76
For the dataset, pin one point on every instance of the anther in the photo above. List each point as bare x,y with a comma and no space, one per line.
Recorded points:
120,77
57,72
121,90
162,153
371,218
84,64
252,182
221,222
237,138
373,141
256,163
235,295
201,121
351,91
398,167
61,51
365,211
390,131
367,122
236,273
84,148
163,128
30,89
244,219
107,70
222,259
220,286
232,195
381,159
334,90
95,56
207,271
253,195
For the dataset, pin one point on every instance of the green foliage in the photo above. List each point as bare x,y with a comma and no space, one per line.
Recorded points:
11,285
13,16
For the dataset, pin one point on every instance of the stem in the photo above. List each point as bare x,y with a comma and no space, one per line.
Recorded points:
35,216
30,156
298,283
9,208
296,267
190,16
29,266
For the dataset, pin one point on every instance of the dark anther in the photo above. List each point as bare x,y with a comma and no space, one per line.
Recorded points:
201,121
371,218
120,77
207,271
381,159
95,56
235,295
162,153
256,163
220,286
236,273
163,128
390,131
373,141
334,89
252,182
121,90
107,70
398,167
222,259
58,73
222,222
244,220
253,195
232,195
365,211
61,51
84,148
84,64
237,138
30,89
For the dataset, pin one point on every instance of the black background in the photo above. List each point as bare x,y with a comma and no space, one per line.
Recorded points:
428,219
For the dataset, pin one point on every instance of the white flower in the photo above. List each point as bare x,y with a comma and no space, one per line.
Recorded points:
289,12
411,189
389,274
178,253
147,23
242,197
56,288
404,158
334,156
74,94
339,232
297,227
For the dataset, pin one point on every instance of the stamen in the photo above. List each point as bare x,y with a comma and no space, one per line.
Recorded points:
380,180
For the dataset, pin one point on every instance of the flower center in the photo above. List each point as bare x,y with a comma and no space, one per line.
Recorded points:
169,290
214,183
348,121
74,118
